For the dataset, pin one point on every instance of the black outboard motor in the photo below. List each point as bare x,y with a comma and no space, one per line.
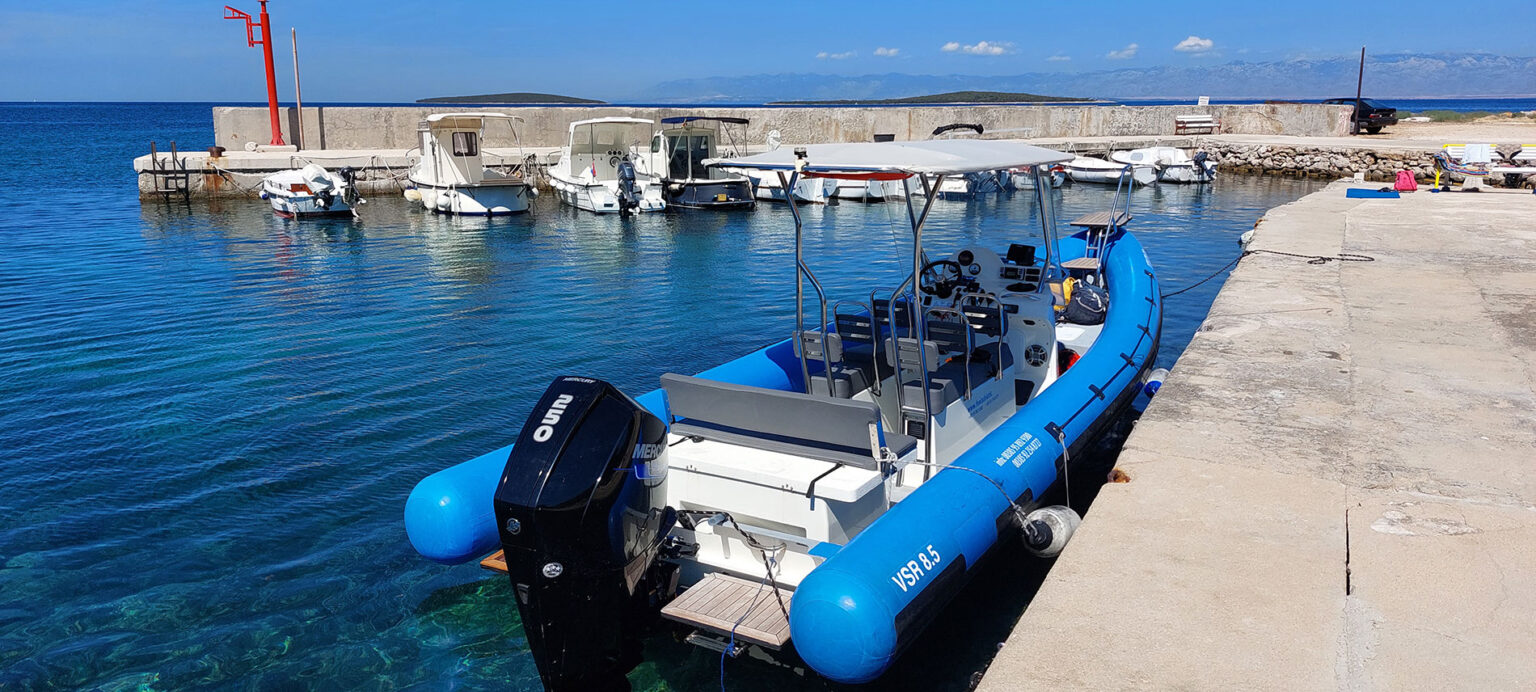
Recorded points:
581,512
349,193
629,192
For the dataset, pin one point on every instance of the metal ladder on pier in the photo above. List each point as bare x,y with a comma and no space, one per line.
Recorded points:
1100,225
171,176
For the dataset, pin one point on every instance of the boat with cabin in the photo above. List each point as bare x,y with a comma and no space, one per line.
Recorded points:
597,170
452,177
1171,164
969,185
829,494
677,157
312,191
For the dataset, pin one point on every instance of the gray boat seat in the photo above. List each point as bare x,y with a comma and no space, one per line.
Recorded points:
815,427
851,371
947,381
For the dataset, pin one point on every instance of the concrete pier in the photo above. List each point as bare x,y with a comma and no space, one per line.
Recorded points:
1336,487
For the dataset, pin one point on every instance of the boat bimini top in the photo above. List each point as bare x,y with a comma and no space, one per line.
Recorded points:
898,161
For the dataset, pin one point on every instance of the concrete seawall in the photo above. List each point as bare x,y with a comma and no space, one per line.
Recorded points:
1334,488
394,127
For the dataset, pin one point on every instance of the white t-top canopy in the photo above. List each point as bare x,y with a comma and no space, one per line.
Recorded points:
469,116
616,120
932,157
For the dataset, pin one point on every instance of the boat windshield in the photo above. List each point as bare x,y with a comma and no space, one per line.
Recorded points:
687,155
599,147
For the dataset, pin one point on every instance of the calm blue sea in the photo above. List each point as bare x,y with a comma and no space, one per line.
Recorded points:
212,416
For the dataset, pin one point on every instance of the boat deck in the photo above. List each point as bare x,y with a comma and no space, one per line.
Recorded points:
721,603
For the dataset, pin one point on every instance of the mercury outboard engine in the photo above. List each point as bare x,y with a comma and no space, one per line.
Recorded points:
1202,167
349,193
629,192
581,509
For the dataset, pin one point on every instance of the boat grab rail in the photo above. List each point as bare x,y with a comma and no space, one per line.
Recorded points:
803,272
874,336
970,343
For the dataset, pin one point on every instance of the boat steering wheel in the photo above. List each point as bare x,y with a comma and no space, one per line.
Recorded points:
940,278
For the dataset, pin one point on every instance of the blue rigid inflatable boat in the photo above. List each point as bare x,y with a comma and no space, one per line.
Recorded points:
858,471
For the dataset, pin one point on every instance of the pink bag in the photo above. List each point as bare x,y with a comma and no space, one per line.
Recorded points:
1405,182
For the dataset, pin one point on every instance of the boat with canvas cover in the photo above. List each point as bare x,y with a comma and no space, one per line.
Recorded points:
312,191
452,178
677,157
1088,169
828,494
1171,163
597,170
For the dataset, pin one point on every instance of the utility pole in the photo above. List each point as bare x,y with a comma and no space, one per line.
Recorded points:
298,96
266,43
1354,127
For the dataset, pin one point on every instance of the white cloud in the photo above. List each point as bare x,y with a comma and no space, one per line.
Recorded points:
835,56
979,48
884,52
1059,58
1195,44
1125,53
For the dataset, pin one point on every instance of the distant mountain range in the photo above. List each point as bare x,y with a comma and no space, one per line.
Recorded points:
1386,76
516,97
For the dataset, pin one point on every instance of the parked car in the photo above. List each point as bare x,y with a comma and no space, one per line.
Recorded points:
1368,116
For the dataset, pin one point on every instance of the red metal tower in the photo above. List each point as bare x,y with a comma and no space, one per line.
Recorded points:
266,44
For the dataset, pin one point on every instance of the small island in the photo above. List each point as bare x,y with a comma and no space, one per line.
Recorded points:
950,97
516,97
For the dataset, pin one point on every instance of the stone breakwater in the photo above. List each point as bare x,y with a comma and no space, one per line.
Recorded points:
1331,162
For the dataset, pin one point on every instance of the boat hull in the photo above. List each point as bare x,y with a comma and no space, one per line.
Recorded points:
306,206
600,198
1140,175
484,200
869,190
765,186
714,194
1187,174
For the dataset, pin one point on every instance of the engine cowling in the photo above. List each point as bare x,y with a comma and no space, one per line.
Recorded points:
581,511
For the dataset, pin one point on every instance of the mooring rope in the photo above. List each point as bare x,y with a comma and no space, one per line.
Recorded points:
1311,259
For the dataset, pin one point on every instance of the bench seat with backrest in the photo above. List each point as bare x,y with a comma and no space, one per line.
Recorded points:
955,353
841,431
1195,124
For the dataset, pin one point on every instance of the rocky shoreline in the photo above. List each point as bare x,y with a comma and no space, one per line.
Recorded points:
1330,162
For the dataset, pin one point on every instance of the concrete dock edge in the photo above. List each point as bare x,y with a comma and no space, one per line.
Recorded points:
1336,487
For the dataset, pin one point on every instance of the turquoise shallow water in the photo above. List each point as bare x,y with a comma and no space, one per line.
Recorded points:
213,416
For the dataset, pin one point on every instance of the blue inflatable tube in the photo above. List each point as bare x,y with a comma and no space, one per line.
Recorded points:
855,612
449,515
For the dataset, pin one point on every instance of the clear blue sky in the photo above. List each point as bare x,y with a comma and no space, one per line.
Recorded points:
388,51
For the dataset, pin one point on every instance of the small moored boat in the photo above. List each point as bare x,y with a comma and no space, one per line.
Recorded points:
452,178
312,191
677,157
597,170
833,491
1171,163
1087,169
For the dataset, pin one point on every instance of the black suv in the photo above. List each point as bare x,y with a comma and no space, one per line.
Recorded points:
1368,116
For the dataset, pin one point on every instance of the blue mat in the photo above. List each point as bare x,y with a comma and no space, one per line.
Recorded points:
1364,193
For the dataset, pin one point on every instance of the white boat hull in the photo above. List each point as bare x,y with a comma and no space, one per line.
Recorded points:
869,190
1188,174
476,200
765,186
1101,172
301,206
601,196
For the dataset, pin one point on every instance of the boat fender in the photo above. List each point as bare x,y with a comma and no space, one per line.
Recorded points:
412,194
1155,381
1047,530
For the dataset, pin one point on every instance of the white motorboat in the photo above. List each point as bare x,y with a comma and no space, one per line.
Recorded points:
597,170
767,186
312,191
452,178
971,184
1172,164
677,158
1087,169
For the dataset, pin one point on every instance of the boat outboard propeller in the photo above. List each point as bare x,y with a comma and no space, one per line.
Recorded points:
629,192
581,513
